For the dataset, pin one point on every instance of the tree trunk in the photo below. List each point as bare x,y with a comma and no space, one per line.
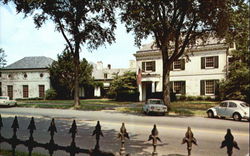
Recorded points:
166,80
166,86
76,83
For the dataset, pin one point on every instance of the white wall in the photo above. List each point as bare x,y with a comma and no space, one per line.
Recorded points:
192,73
17,80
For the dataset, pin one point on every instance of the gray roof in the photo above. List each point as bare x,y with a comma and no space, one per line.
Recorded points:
99,74
33,62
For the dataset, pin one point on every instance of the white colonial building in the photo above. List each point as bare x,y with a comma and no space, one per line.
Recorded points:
197,76
26,78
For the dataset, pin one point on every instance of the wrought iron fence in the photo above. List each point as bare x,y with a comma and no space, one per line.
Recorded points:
73,149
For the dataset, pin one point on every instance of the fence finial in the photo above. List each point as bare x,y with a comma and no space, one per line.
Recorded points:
154,137
229,143
52,127
189,139
122,135
32,125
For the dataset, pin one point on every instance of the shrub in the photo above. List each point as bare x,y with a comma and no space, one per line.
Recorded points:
191,98
127,96
50,94
208,98
200,98
182,97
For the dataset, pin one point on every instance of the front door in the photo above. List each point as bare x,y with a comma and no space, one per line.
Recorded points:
10,91
148,90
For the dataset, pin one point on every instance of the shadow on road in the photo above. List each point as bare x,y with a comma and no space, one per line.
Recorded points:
84,138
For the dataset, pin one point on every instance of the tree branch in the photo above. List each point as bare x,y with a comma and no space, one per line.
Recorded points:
65,37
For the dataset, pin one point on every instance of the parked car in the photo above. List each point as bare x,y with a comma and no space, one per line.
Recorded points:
155,106
5,100
230,109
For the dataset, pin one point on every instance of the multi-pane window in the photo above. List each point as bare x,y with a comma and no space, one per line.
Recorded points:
177,87
25,91
148,66
10,91
209,62
177,64
210,87
41,91
105,75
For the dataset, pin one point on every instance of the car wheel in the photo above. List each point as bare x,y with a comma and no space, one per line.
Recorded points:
210,114
236,116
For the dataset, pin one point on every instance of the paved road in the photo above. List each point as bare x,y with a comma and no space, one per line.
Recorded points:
208,132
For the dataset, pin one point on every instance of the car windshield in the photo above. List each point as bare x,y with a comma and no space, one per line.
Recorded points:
244,104
155,102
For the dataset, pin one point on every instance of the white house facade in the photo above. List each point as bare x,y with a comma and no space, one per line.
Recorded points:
26,78
196,76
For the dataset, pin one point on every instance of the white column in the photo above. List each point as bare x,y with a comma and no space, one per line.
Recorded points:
140,91
153,86
97,92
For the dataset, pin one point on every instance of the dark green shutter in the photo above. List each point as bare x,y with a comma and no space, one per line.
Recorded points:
203,63
143,66
202,87
171,66
183,87
182,64
216,61
153,65
171,86
216,87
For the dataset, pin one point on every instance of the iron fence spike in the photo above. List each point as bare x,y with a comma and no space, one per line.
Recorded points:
98,129
189,139
32,125
229,142
15,124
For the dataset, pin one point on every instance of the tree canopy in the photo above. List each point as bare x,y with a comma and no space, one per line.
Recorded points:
124,87
175,25
2,58
237,83
89,23
62,74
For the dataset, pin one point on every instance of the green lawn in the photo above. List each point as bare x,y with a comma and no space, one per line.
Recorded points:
178,107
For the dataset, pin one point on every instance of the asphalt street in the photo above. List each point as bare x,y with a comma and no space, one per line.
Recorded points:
208,132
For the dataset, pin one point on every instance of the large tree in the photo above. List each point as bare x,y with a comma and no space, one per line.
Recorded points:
237,83
2,58
175,25
81,22
62,74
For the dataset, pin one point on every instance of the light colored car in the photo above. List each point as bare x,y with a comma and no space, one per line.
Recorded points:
155,106
5,100
230,109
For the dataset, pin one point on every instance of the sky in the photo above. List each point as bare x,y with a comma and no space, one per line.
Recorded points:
19,38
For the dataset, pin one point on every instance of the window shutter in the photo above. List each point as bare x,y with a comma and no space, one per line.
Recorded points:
202,87
153,65
171,66
183,87
203,63
216,61
216,87
143,66
171,86
182,64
